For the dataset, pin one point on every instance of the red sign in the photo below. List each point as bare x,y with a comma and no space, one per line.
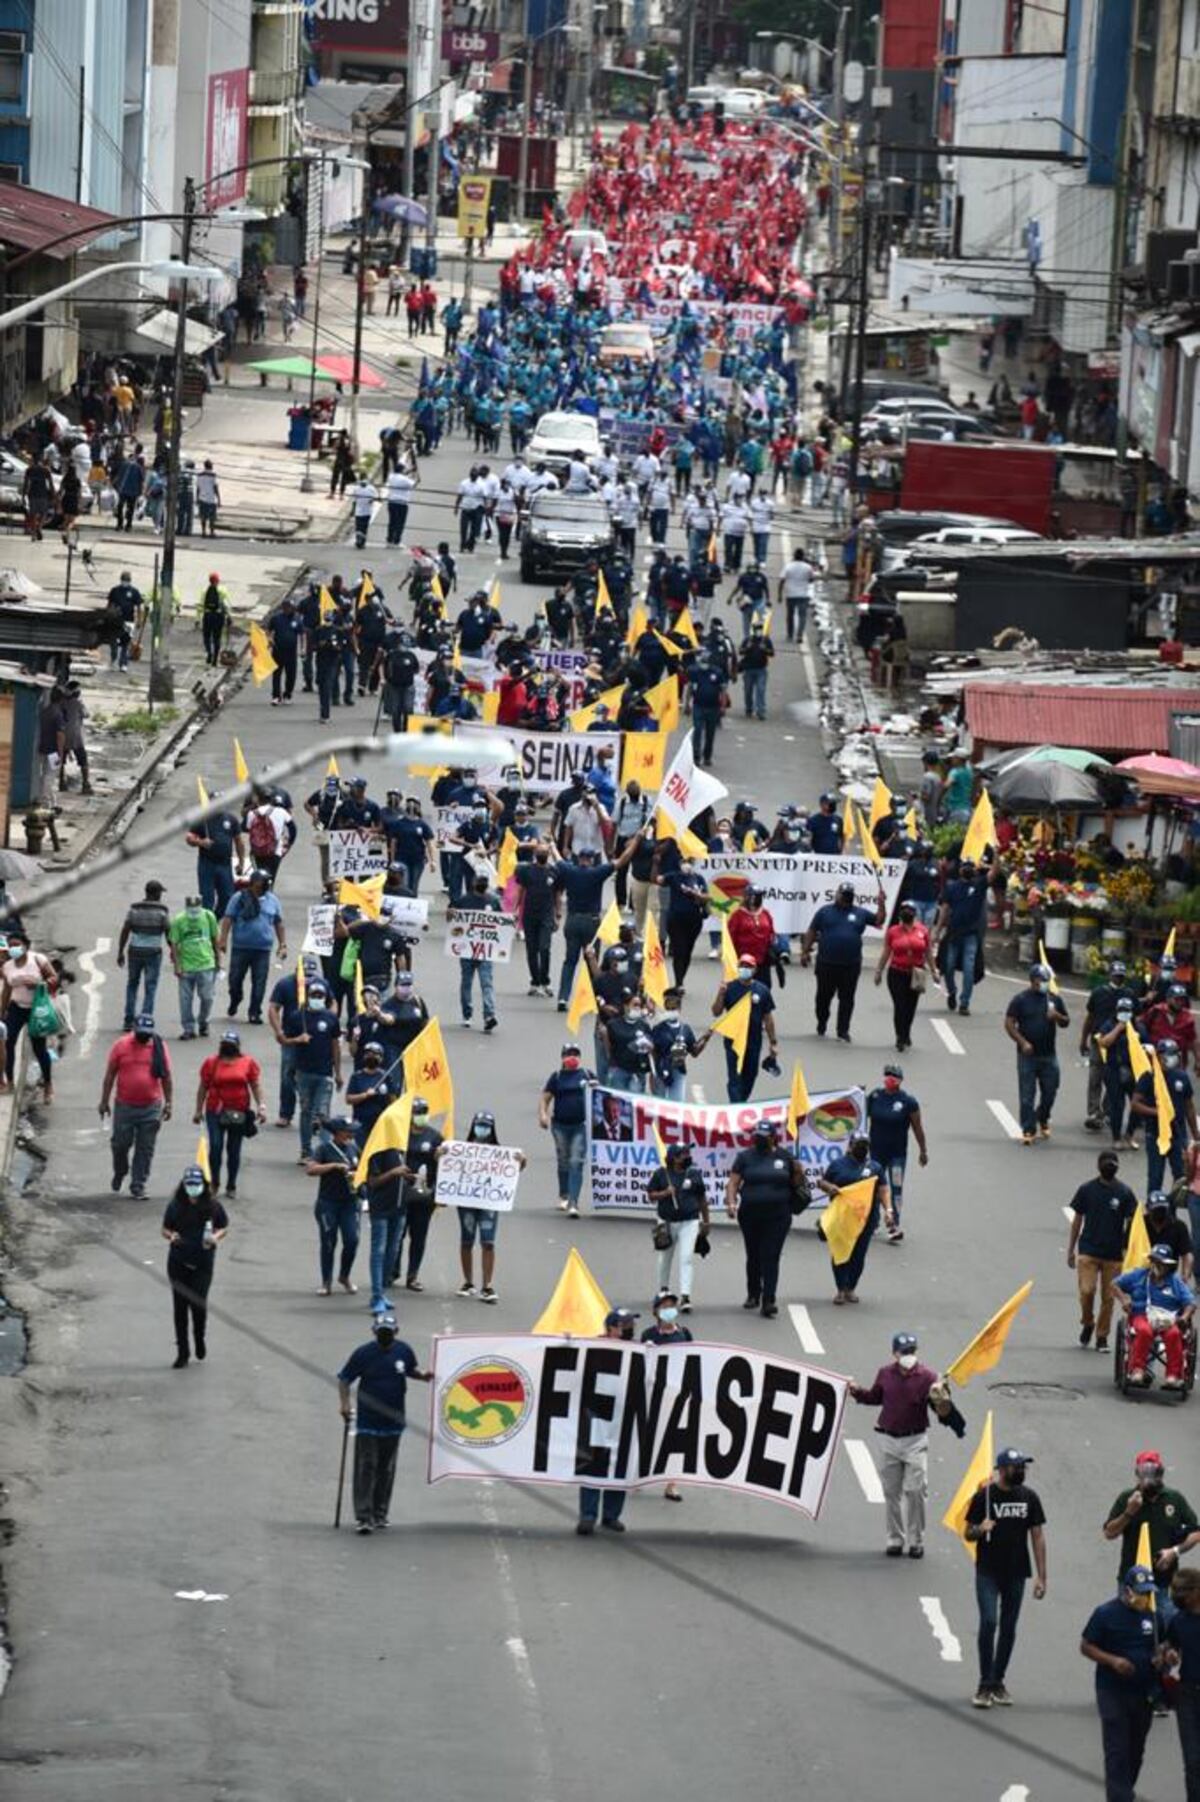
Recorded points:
225,174
463,45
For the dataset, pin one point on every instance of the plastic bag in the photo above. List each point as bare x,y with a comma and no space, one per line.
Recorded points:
44,1022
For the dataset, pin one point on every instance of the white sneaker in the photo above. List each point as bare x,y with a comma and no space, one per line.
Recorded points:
563,1206
714,952
488,1295
572,1212
466,1289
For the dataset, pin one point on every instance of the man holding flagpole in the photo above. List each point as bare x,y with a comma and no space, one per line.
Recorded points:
1004,1520
904,1391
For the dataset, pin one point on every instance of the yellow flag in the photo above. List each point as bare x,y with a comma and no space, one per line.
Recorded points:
848,826
1042,958
358,984
978,1472
241,768
456,656
984,1351
729,961
714,549
643,758
1137,1251
495,599
202,1158
331,768
845,1217
1168,949
506,860
603,598
583,996
689,843
654,964
799,1107
427,1072
202,792
672,650
326,605
766,624
867,838
609,929
911,828
981,829
686,629
1164,1107
638,623
389,1133
437,591
578,1307
734,1025
366,588
1145,1556
664,702
583,717
262,664
366,894
1139,1061
489,707
750,843
881,802
301,982
658,1143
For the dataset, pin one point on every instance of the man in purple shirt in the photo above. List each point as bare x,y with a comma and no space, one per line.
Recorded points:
904,1391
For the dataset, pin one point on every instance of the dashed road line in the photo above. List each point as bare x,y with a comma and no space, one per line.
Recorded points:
1016,1792
948,1036
92,988
806,1332
864,1469
1011,1127
949,1645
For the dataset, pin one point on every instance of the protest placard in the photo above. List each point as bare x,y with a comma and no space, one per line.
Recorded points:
570,666
476,933
542,762
478,1176
446,822
318,937
794,887
354,853
408,912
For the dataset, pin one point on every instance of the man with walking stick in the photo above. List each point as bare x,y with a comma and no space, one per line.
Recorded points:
381,1368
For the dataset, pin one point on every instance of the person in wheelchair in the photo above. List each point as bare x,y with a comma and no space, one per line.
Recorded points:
1157,1304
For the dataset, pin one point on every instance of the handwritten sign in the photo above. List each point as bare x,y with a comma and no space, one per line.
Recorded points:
410,913
447,821
478,1176
479,934
318,939
354,853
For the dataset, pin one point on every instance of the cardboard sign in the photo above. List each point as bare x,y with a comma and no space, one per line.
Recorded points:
318,937
478,1176
480,935
354,853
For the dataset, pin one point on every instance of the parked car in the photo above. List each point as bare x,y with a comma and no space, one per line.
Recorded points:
744,103
898,527
557,436
989,534
563,531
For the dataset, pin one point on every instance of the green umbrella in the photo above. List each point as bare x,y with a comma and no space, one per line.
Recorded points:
293,366
1069,754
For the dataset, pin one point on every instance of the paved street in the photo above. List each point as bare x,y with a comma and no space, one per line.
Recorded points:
185,1622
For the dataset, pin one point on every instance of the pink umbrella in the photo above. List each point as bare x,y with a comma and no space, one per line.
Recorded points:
342,370
1157,775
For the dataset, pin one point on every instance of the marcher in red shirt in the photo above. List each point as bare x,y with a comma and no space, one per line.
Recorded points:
1173,1019
907,958
229,1101
752,931
139,1070
514,699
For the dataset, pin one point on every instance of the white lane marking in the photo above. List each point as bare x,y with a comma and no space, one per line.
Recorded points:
198,1595
948,1645
806,1332
96,979
1011,1127
948,1036
864,1469
1016,1792
518,1651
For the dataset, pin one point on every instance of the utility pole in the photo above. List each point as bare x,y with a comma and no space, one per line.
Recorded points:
306,482
860,331
360,295
526,122
162,676
839,114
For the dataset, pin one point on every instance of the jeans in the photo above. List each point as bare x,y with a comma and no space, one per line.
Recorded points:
570,1145
415,1217
143,970
1157,1161
591,1501
538,934
797,615
659,517
468,969
765,1228
893,1176
215,881
578,930
705,721
374,1475
960,960
397,519
1034,1073
761,541
630,1082
258,965
327,679
287,1082
227,1139
674,1088
840,980
469,523
385,1244
196,987
1125,1720
905,1478
754,688
740,1078
134,1129
847,1276
315,1094
334,1217
1187,1714
683,1234
999,1606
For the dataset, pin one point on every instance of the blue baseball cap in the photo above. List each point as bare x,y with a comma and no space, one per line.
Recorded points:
194,1174
620,1316
1139,1578
904,1342
144,1023
1010,1455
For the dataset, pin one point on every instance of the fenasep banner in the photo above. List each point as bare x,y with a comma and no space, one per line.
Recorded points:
615,1415
794,887
622,1151
543,762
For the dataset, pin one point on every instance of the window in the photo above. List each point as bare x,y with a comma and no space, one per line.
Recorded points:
12,68
11,172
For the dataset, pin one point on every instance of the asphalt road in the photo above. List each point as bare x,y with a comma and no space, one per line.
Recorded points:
480,1649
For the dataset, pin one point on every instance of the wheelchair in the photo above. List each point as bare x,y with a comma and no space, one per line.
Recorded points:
1121,1374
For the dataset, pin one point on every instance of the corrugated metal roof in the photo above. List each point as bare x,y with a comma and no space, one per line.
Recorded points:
37,221
1108,719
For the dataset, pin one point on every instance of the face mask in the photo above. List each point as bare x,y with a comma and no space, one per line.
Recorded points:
670,1020
891,1084
668,1316
1012,1475
1150,1481
908,1361
1108,1171
143,1038
571,1063
1037,985
193,1191
481,1132
193,913
372,1063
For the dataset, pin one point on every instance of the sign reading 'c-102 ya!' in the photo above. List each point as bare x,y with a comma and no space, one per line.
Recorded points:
618,1416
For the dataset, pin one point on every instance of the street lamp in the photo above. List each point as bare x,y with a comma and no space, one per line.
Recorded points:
321,157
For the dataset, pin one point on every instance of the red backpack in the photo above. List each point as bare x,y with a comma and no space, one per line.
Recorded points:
264,841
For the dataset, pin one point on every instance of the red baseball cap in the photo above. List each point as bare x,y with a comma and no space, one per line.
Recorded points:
1149,1457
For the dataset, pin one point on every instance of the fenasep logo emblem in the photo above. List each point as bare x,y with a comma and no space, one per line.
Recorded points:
485,1403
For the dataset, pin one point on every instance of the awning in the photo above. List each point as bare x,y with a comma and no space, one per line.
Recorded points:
31,220
1098,719
160,328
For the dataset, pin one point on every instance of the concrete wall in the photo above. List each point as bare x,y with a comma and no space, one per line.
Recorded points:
998,98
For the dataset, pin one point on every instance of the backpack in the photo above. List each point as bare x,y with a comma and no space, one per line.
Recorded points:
264,840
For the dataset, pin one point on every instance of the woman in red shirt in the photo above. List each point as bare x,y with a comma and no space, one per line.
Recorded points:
907,958
753,933
229,1100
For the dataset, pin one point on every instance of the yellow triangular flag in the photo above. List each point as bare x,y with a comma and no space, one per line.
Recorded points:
583,717
1042,958
326,605
981,829
202,791
638,623
1145,1556
729,960
984,1351
358,984
654,964
494,596
426,1070
664,702
658,1143
603,598
881,802
241,768
331,768
456,656
867,839
844,1218
734,1025
367,894
202,1158
750,843
911,829
301,982
1137,1251
578,1307
688,841
609,929
643,758
685,628
262,664
1168,949
799,1106
389,1133
1164,1107
437,591
489,707
1139,1061
366,587
583,996
506,858
978,1472
673,651
848,826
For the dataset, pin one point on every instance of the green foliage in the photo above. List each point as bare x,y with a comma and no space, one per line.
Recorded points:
142,723
947,838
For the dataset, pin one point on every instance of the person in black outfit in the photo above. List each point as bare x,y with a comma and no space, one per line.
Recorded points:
536,881
333,1159
283,632
1004,1519
328,642
214,619
766,1184
837,931
193,1225
686,909
417,1193
309,612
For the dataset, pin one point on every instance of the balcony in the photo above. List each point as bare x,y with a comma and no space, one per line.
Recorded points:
273,87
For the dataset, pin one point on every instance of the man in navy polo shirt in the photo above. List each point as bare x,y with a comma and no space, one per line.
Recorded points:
218,840
960,923
1121,1640
581,880
1032,1020
314,1034
284,630
837,930
381,1368
825,829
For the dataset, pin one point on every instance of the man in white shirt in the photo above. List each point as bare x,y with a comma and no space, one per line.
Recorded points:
363,497
208,499
398,495
737,485
701,525
762,511
645,467
490,487
584,826
605,466
734,520
658,501
625,511
795,592
579,477
518,475
542,481
468,504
